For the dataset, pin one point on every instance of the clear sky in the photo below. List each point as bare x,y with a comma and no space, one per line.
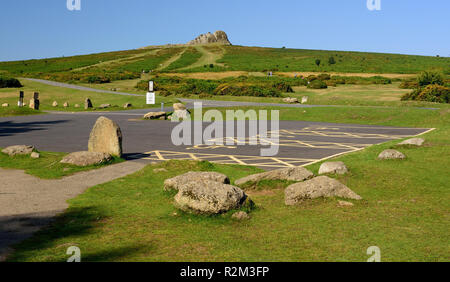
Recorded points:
46,28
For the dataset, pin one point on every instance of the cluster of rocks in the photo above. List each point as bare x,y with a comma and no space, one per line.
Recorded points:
307,186
20,150
180,113
212,193
391,154
217,37
105,141
207,193
88,105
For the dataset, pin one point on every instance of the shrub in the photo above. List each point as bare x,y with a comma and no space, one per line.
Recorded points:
317,62
317,84
324,76
429,77
331,83
283,87
409,84
380,80
198,86
431,93
95,79
338,80
311,78
8,82
246,90
331,61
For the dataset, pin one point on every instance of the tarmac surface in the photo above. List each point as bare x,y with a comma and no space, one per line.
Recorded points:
298,142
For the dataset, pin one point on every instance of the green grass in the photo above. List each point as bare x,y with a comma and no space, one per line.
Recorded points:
226,58
16,111
389,116
190,56
48,94
48,166
404,210
50,65
259,59
149,62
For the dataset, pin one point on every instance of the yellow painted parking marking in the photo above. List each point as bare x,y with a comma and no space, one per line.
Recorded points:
228,159
237,160
281,162
158,154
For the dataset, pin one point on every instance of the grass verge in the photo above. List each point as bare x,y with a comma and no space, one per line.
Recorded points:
404,210
48,166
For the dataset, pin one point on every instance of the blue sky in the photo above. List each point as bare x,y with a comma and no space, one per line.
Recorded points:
46,28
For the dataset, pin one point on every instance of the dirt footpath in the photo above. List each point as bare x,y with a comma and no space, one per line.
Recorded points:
28,203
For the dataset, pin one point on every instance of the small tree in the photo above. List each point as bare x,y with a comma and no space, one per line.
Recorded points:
331,61
318,62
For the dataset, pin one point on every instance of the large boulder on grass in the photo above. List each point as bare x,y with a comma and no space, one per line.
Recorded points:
18,150
289,174
391,155
209,197
176,182
86,158
290,100
155,115
106,137
413,142
318,187
333,168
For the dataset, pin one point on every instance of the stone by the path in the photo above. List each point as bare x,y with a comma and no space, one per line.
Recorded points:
304,99
391,155
209,197
106,137
18,150
333,168
127,105
77,105
175,182
55,104
5,105
345,204
290,100
34,104
413,142
104,106
88,104
241,215
86,158
66,105
289,174
321,186
155,115
158,170
35,155
179,107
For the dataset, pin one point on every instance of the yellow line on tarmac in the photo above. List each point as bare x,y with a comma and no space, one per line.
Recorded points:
158,154
281,162
237,160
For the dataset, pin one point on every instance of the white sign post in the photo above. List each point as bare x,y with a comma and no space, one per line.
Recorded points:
151,99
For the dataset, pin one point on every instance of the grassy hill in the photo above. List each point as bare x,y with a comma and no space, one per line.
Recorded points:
124,65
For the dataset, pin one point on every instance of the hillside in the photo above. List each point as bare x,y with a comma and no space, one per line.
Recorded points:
123,65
